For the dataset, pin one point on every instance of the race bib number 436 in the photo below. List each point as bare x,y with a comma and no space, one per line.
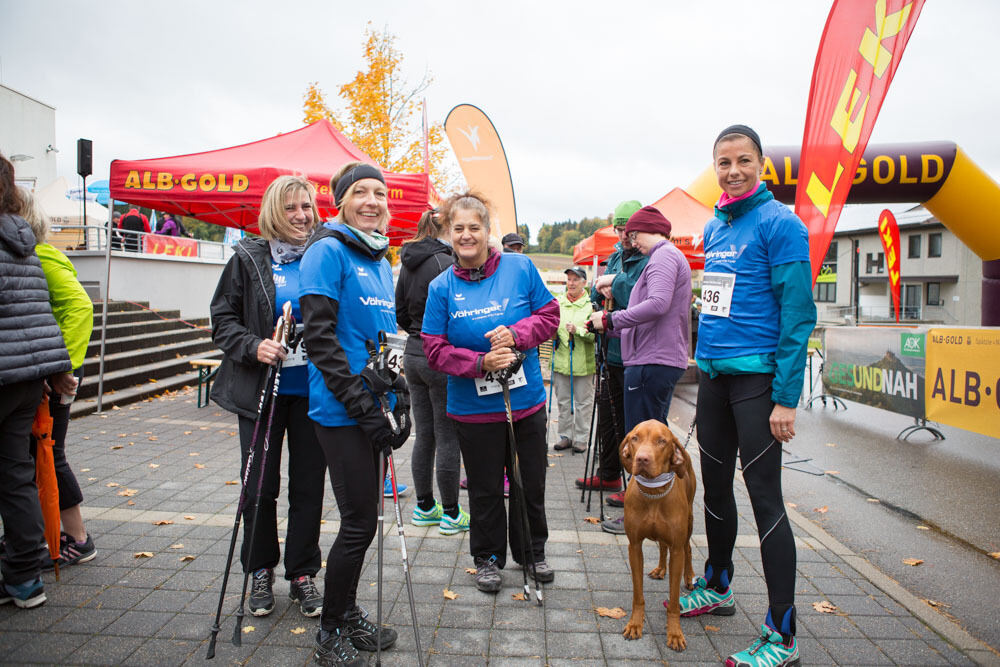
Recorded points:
488,385
717,293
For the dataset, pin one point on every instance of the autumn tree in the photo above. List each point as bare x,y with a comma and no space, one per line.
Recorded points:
382,113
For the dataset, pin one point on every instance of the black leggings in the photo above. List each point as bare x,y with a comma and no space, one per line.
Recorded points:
733,414
354,474
611,423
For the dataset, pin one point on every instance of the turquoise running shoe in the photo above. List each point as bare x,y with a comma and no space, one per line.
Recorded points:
450,526
705,600
431,517
767,650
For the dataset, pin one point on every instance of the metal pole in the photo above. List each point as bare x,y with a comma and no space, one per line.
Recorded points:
857,282
107,297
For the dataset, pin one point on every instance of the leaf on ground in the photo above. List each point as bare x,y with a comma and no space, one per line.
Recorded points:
202,428
127,493
84,469
91,479
518,596
131,502
232,482
926,528
116,447
592,519
995,554
142,554
230,433
825,607
821,510
185,559
153,380
176,546
247,629
470,570
153,438
552,465
450,595
557,455
194,454
937,605
112,485
298,631
322,522
199,466
187,432
616,612
912,562
792,505
188,517
873,500
832,472
163,522
831,444
87,437
154,465
711,628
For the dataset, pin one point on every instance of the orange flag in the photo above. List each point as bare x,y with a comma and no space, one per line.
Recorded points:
484,162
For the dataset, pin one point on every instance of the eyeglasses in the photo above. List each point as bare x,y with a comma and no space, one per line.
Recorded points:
631,236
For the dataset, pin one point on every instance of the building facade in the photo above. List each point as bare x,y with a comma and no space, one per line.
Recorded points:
27,138
940,277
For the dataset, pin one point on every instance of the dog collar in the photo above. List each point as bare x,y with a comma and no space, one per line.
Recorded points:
666,479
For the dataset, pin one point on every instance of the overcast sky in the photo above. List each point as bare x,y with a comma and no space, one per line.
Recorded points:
595,102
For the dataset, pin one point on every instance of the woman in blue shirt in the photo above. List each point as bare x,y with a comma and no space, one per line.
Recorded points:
261,276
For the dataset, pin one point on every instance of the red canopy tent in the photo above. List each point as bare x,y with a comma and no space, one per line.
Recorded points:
601,243
225,186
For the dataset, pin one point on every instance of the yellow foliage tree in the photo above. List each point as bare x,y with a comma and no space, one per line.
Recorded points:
383,113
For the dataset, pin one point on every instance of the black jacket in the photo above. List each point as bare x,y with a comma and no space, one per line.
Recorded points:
31,344
242,316
422,262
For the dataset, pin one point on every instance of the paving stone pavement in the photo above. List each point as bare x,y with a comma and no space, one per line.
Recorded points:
167,462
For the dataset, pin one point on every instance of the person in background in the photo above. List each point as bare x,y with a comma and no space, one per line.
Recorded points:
168,226
477,313
513,243
751,356
74,313
423,259
31,350
624,267
259,278
132,223
347,301
574,343
115,231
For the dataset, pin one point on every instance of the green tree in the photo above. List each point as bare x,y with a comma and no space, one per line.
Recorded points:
525,233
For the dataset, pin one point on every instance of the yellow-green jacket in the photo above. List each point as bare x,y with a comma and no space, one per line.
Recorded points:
71,306
576,312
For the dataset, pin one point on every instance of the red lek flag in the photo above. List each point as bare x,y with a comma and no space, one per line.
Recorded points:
859,52
888,231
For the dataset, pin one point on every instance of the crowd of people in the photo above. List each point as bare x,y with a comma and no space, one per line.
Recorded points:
474,313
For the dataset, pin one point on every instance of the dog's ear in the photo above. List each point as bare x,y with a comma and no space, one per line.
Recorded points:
625,453
676,457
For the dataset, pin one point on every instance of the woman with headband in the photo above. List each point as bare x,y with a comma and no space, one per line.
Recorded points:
757,315
347,300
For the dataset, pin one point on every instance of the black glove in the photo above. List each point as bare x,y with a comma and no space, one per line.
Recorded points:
372,422
401,412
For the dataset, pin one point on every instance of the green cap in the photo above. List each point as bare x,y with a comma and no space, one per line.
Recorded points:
624,211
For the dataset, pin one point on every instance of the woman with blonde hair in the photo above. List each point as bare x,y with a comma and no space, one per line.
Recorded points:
263,274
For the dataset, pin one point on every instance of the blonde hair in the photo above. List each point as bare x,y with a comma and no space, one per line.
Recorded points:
273,222
428,227
469,201
32,213
383,224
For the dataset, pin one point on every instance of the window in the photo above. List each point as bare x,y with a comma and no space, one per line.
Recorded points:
934,294
934,245
875,263
914,246
825,292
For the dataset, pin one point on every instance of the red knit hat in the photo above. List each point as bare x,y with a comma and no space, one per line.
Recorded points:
648,219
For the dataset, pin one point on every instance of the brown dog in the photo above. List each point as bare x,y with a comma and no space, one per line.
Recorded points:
660,513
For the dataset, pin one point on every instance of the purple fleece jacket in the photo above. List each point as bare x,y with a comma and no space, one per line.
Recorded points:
654,327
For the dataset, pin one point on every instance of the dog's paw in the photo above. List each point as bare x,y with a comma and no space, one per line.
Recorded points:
633,630
676,641
658,573
689,584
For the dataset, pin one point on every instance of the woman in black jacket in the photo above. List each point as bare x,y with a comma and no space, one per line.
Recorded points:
423,259
263,274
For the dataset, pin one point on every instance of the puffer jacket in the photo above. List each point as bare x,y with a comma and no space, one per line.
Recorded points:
242,316
422,262
31,344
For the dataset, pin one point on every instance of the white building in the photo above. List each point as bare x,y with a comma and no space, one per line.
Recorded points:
27,138
941,278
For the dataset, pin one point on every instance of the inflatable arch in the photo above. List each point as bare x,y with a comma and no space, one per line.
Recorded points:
938,175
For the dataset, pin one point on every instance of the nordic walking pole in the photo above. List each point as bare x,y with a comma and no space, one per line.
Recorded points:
282,334
381,550
591,454
517,483
572,408
264,393
406,562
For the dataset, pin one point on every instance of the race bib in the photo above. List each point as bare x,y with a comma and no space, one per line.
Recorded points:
488,385
299,356
395,345
717,293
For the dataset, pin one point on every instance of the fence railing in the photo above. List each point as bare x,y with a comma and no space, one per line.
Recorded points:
886,314
95,237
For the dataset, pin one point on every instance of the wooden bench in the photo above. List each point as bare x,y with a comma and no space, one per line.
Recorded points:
207,368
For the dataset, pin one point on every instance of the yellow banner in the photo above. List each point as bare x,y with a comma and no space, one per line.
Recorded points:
484,163
962,385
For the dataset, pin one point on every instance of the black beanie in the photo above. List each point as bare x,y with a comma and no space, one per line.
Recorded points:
746,131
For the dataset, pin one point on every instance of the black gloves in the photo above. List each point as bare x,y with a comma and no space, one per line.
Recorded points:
373,422
367,411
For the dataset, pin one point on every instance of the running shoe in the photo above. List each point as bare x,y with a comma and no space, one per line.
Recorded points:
26,595
488,577
387,488
72,552
614,526
768,649
451,526
261,595
596,483
564,443
431,517
543,570
303,590
705,600
363,633
334,649
578,448
616,499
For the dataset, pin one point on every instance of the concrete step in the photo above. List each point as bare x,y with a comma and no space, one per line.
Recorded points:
126,343
123,316
146,328
142,374
120,306
133,394
134,358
